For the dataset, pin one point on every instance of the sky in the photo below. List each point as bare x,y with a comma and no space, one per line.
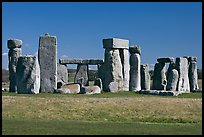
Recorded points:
161,29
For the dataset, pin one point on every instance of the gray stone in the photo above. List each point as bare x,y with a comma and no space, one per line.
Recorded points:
193,75
82,75
14,43
90,90
13,56
115,43
134,49
165,60
62,91
81,61
73,88
62,74
124,56
28,75
172,80
160,92
47,56
159,78
98,82
112,69
145,77
135,76
113,86
182,68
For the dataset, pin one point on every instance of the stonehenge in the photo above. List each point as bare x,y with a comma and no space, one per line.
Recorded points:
120,70
14,46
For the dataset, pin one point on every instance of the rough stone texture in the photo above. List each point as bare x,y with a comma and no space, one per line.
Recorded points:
13,56
73,88
172,80
112,70
182,68
82,75
90,90
145,77
159,78
47,55
124,56
28,75
113,86
134,49
81,61
98,82
115,43
192,73
165,60
14,43
62,74
135,76
62,91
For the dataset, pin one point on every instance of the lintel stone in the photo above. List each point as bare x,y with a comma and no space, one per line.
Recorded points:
115,43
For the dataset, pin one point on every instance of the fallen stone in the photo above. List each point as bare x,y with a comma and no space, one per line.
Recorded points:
73,88
62,91
90,90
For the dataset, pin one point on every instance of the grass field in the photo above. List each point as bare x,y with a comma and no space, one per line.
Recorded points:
105,113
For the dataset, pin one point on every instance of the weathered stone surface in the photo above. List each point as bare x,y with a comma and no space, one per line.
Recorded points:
145,77
28,75
165,60
82,75
90,90
47,55
81,61
113,86
193,75
62,91
172,80
62,74
124,56
182,68
98,82
115,43
134,49
112,69
159,78
13,56
73,88
135,76
14,43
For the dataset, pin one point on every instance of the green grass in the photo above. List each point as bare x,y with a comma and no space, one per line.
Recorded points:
106,113
67,127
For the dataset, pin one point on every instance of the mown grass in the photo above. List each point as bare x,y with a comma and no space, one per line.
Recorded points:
68,113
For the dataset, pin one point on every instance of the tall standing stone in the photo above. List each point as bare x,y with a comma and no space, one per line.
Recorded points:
135,76
115,67
145,77
81,76
14,46
28,75
172,77
182,68
192,73
159,78
47,56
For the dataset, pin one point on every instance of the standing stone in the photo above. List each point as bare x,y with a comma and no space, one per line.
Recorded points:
135,76
193,75
182,68
28,75
47,56
112,70
172,80
159,78
15,52
81,76
62,74
145,77
98,82
124,56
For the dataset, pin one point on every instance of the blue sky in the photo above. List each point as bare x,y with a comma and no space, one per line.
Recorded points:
161,29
